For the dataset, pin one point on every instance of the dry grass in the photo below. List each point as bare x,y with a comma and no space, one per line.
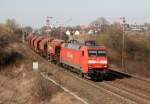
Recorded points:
44,89
137,68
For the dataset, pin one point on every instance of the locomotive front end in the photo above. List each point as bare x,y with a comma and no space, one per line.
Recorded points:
97,62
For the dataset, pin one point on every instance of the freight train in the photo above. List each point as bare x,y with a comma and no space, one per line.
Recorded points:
85,58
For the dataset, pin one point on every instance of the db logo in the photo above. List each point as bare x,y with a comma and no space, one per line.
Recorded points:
69,55
50,47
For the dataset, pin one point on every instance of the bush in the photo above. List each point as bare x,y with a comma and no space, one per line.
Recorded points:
9,32
43,88
9,58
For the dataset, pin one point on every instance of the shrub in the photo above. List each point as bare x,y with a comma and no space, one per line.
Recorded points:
43,88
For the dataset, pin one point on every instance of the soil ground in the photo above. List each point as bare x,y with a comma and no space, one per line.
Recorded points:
18,84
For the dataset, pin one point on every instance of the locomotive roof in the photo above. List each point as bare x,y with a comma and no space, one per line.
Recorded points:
73,46
78,46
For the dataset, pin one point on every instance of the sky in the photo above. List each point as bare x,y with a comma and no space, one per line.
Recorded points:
73,12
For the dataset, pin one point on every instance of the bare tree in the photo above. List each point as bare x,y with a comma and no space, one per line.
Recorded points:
100,25
28,29
11,25
100,21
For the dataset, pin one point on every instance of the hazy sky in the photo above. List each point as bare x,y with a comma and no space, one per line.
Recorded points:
34,12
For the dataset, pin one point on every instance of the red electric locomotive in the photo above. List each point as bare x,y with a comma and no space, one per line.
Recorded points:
89,59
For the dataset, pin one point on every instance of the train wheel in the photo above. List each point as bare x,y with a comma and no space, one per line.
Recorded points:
51,58
81,75
100,78
61,64
48,57
58,62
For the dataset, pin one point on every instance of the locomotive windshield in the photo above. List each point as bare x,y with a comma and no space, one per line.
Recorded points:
96,53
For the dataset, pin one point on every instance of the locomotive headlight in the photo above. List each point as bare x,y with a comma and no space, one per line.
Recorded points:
103,62
91,61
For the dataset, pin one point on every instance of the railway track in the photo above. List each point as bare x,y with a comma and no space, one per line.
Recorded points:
122,74
134,96
110,88
129,95
133,85
130,92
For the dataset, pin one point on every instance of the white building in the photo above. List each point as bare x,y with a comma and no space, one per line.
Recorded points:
77,32
91,32
68,33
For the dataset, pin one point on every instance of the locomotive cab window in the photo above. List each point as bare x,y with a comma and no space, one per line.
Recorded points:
96,53
101,53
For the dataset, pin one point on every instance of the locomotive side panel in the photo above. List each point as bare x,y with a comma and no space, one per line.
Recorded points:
74,58
70,57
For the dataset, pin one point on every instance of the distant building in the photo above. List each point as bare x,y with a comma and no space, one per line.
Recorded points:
137,28
90,32
77,32
68,33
